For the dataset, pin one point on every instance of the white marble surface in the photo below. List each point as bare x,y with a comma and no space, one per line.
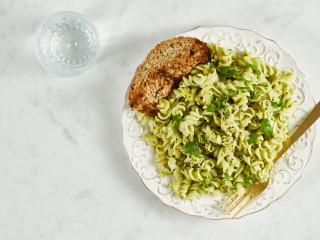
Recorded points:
63,171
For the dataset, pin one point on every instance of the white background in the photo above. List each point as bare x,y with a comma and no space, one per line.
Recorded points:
64,173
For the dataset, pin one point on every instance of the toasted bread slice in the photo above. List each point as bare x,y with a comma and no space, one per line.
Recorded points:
163,69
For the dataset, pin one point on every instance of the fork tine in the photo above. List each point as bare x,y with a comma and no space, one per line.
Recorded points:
244,197
231,196
234,201
241,209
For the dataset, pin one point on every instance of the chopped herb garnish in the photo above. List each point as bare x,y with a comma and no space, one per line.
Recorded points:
224,109
250,177
247,88
235,187
280,104
256,93
204,183
214,106
253,138
237,77
174,127
177,118
221,133
173,123
225,176
245,184
217,102
266,127
235,93
253,67
228,71
192,148
195,73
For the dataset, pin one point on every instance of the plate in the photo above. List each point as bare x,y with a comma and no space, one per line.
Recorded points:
287,170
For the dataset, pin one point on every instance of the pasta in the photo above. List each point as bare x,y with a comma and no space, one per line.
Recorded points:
220,130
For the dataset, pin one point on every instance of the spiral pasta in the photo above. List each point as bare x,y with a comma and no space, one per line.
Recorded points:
220,130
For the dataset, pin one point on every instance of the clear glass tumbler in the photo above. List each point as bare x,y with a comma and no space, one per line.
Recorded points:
67,44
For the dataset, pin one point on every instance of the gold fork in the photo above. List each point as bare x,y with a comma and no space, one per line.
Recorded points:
254,190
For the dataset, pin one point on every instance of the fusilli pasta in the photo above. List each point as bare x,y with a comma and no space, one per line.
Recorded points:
220,130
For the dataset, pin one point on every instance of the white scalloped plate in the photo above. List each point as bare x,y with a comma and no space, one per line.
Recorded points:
288,169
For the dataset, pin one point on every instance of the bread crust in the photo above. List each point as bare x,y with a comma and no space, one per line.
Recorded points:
163,69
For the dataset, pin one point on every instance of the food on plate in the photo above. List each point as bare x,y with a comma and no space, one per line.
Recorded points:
221,128
163,70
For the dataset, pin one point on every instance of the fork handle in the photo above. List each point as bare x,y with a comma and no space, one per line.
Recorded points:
303,127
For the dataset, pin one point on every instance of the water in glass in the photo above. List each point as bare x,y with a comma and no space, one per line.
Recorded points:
67,44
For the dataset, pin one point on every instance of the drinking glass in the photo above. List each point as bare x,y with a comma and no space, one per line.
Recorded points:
67,44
